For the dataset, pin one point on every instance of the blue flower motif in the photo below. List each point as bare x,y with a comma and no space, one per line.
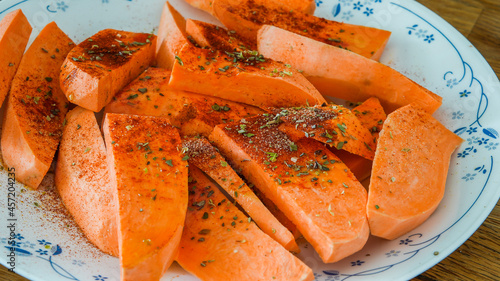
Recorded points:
451,82
392,253
347,15
346,2
368,12
472,140
491,146
318,2
412,28
429,38
457,115
42,252
464,94
78,262
405,242
99,277
482,141
469,177
357,263
421,33
377,1
357,6
472,130
28,244
62,6
43,242
19,236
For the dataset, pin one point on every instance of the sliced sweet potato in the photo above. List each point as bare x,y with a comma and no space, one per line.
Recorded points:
409,171
204,156
246,17
332,124
277,213
82,180
150,181
209,35
307,182
218,237
96,69
171,36
338,73
194,114
306,6
246,79
15,32
371,114
36,107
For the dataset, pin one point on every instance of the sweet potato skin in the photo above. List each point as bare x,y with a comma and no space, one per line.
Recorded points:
193,114
218,236
342,74
36,108
305,180
214,73
15,32
82,180
97,68
306,6
409,171
150,178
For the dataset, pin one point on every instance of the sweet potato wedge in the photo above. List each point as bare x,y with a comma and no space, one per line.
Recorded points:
171,36
217,237
332,124
246,17
306,6
305,180
409,171
36,107
150,181
97,68
372,116
218,38
277,213
194,114
15,32
247,79
82,180
204,156
338,73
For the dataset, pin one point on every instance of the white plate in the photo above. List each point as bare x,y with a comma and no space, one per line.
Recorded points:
423,47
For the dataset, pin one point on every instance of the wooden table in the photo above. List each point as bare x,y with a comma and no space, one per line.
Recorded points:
479,257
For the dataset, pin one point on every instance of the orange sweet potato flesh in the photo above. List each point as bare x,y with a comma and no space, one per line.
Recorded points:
97,68
36,107
257,82
204,156
277,213
209,35
171,36
372,116
332,124
219,242
194,114
15,32
338,73
82,180
150,181
409,171
306,6
305,180
246,17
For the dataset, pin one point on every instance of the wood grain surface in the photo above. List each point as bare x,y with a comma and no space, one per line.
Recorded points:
479,257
